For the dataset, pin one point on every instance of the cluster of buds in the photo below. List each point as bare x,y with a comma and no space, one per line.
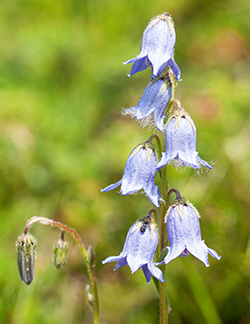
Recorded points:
26,253
26,248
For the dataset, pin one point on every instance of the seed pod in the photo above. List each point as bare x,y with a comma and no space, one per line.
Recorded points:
26,246
61,249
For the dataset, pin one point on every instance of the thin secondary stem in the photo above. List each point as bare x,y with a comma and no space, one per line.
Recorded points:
157,140
89,264
177,194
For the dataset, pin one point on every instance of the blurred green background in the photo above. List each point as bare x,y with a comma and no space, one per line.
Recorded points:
62,87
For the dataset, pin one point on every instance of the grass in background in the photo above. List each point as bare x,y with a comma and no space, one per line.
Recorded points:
62,87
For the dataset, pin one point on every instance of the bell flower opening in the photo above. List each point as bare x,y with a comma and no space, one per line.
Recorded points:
139,249
155,99
184,234
139,173
180,139
157,48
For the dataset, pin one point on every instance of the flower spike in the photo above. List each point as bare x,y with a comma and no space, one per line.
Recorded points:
157,48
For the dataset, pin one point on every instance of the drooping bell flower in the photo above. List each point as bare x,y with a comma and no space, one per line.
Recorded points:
184,234
180,140
139,249
139,173
157,48
155,99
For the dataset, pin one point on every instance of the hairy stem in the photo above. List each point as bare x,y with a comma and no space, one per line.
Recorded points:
163,240
89,264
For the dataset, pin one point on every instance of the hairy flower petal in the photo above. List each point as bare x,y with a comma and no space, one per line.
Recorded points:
139,250
139,174
155,99
185,236
157,48
180,137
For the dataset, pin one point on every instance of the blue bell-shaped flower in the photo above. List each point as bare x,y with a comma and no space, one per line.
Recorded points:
180,139
155,99
184,234
157,48
139,249
139,173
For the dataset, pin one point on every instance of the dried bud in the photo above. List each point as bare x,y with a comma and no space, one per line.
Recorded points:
25,246
61,249
89,296
91,256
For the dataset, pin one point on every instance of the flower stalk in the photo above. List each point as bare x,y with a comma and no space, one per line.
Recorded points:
88,260
164,305
178,133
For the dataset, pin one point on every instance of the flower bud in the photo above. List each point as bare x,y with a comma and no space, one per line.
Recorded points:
61,249
26,246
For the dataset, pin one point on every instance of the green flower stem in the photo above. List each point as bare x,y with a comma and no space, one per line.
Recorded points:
164,305
164,207
157,140
89,264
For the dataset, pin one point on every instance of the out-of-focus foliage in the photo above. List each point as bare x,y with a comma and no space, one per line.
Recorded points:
62,87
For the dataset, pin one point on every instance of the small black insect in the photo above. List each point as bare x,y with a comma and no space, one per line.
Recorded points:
143,227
